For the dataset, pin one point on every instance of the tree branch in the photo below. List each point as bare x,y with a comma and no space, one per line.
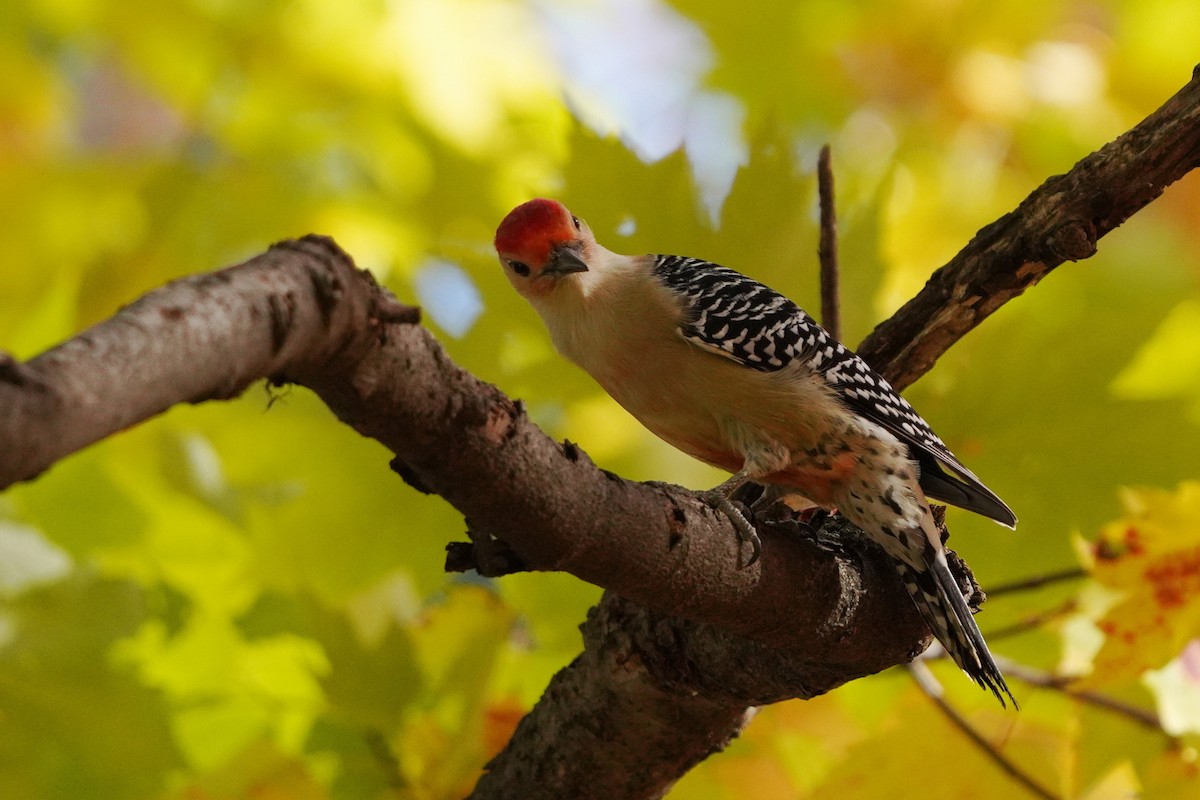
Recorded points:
302,313
1060,221
796,624
831,311
1032,621
1038,581
1046,680
664,548
931,688
203,338
635,683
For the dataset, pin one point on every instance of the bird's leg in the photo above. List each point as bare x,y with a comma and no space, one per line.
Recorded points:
718,498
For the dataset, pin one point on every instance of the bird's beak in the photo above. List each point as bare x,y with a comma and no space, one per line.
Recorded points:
565,259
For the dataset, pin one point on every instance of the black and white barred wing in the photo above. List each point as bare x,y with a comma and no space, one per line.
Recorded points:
736,317
943,476
739,318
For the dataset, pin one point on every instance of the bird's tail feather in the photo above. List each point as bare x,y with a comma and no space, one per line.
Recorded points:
943,608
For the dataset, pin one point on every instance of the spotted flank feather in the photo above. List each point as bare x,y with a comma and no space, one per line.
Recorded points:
742,319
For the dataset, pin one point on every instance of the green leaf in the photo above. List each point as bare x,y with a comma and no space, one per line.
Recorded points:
77,725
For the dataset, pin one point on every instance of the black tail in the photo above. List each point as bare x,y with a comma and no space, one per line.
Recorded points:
941,604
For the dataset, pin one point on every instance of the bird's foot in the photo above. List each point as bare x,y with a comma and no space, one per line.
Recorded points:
718,498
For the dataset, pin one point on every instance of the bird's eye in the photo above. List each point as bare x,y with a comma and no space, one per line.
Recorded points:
575,221
519,267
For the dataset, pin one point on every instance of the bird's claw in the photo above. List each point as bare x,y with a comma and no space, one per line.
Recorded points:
745,530
718,499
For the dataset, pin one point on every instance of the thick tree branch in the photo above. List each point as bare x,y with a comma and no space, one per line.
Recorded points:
1060,221
635,674
300,312
203,338
797,624
661,547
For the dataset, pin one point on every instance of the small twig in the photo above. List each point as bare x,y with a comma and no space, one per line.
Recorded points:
392,310
1032,621
1060,683
1038,581
827,250
385,759
933,690
490,557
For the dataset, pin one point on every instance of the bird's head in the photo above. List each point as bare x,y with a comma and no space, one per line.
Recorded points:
542,246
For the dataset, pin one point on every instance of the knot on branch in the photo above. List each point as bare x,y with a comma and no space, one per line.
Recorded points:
389,309
14,371
492,414
1072,241
485,554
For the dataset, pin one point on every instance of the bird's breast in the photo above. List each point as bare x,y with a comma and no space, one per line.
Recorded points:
709,406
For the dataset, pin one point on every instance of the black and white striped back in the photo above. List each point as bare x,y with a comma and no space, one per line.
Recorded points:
729,313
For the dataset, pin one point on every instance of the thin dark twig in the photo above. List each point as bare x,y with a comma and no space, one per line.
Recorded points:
1062,684
1038,581
1032,621
933,690
831,315
385,759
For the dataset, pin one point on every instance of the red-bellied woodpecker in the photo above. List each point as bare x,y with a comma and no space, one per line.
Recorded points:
738,376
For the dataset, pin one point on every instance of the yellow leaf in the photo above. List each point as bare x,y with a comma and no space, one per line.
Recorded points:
1121,783
1151,555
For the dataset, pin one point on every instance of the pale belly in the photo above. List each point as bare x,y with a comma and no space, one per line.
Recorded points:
784,427
776,424
774,427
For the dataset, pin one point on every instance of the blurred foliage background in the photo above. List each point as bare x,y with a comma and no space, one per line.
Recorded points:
240,600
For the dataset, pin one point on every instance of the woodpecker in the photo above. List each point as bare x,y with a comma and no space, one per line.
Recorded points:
738,376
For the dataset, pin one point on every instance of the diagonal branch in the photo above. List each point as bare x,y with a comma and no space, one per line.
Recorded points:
1060,221
931,688
1046,680
1038,581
